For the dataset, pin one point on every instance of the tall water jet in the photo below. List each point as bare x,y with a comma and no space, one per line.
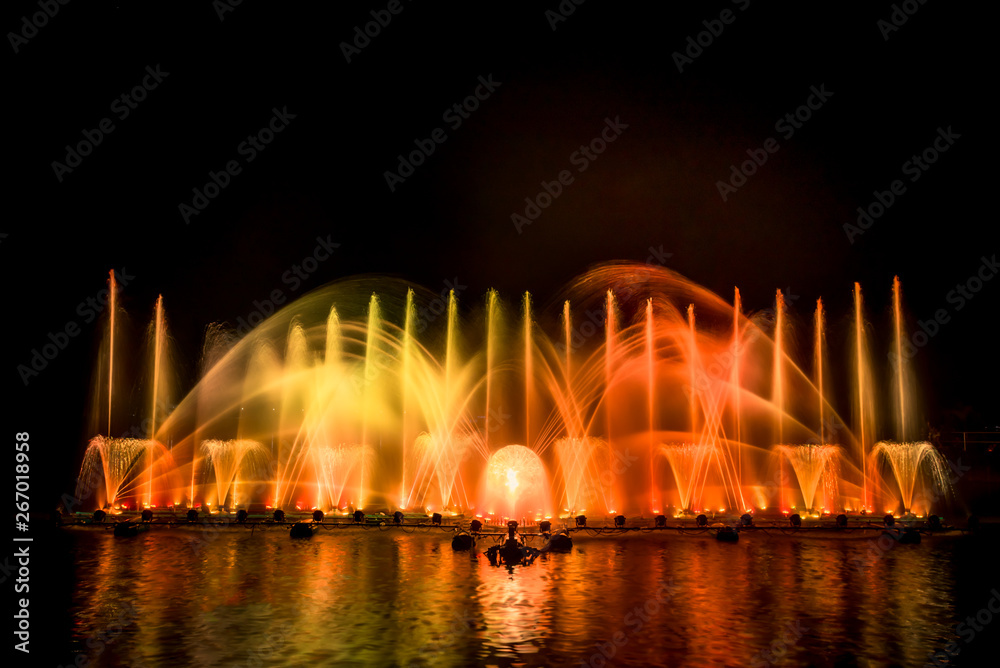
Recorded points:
528,369
693,372
905,414
112,307
651,403
406,353
371,339
897,321
819,343
159,339
568,334
451,344
778,376
610,329
864,412
737,356
492,333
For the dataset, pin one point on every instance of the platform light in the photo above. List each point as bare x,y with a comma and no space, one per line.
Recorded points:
661,521
620,521
795,520
581,520
436,519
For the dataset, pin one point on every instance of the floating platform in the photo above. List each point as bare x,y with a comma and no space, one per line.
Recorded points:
304,524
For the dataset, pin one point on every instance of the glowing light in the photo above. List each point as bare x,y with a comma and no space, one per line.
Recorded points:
511,480
429,401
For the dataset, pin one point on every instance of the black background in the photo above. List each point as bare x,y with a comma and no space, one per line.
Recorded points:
654,187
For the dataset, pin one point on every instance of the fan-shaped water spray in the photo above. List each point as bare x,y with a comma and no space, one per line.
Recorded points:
372,392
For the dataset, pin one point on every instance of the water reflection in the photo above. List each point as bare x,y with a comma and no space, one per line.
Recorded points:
387,598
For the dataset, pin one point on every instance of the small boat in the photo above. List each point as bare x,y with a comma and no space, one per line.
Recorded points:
128,529
905,536
560,541
301,530
463,542
725,534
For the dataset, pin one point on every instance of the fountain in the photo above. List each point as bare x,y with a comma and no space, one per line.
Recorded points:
912,464
654,393
816,470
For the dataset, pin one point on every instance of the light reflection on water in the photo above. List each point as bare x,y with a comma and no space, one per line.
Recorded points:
387,598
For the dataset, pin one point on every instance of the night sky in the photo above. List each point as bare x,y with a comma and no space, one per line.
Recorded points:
881,94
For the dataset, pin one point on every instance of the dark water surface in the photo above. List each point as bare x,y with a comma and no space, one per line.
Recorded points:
351,597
